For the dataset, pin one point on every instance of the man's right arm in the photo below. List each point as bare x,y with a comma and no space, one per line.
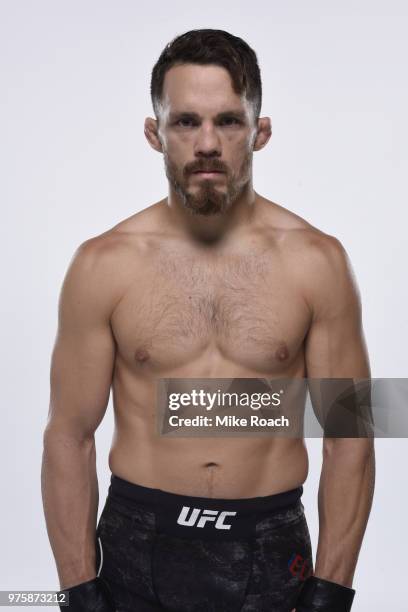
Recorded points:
81,373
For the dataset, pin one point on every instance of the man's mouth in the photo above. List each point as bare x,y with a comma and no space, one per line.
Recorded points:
209,176
208,172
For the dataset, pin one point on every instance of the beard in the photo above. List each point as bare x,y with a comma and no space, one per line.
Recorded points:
207,199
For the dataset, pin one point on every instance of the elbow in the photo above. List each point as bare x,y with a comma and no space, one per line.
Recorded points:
359,449
57,436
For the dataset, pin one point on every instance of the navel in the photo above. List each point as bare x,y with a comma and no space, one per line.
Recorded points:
210,473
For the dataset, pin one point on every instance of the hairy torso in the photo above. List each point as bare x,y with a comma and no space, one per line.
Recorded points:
194,312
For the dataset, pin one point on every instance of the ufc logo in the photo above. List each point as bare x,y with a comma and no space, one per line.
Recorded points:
206,516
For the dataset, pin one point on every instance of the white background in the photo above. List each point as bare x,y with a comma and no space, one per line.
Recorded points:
75,91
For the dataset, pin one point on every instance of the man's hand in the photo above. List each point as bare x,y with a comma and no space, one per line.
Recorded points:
90,595
320,595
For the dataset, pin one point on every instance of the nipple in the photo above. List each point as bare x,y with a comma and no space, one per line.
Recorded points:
142,355
282,353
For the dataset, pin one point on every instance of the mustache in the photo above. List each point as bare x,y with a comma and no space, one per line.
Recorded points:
214,165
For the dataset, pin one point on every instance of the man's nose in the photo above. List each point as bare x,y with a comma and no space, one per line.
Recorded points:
208,143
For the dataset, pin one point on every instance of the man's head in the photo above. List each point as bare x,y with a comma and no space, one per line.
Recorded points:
206,94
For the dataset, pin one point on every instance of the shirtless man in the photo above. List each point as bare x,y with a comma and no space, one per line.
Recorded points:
213,281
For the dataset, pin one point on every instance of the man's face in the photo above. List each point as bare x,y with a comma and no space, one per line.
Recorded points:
205,126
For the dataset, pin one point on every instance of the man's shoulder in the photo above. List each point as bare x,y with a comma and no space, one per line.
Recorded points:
297,237
127,238
104,265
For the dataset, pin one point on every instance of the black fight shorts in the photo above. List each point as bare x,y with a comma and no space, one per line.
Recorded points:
163,551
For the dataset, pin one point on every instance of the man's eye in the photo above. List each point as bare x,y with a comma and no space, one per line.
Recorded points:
229,121
185,122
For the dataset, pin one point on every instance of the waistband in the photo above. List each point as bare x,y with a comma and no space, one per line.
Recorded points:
157,498
213,518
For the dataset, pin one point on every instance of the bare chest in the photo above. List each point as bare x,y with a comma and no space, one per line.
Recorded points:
245,311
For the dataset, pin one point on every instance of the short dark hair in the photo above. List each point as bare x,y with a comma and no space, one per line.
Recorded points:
211,47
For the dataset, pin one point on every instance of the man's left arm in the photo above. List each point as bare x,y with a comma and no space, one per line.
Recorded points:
335,348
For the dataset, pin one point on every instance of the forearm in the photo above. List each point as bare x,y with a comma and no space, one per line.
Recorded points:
70,499
345,498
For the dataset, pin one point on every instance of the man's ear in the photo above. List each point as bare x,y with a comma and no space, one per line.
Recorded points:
151,131
264,132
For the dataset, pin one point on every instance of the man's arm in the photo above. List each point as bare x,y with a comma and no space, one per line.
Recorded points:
335,348
81,373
